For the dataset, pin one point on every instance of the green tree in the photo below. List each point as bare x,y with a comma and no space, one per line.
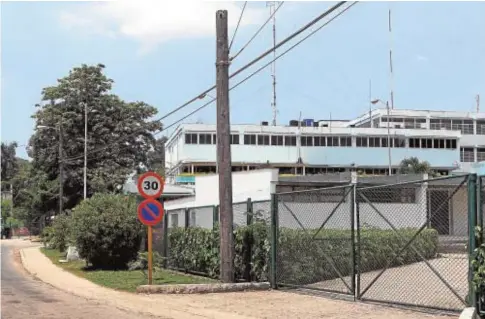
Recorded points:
9,161
156,157
121,128
412,165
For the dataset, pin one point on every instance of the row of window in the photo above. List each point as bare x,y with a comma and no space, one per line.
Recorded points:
464,126
467,155
332,141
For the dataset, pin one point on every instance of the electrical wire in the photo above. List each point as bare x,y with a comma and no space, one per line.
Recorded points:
261,68
237,26
203,94
256,33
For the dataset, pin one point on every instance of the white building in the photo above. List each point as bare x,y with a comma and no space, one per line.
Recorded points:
447,140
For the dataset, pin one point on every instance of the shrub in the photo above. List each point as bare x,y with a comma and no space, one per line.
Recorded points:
59,233
301,259
106,230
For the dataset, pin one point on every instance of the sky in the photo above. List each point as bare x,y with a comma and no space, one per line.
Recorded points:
163,53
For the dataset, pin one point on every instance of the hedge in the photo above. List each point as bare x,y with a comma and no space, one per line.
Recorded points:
302,259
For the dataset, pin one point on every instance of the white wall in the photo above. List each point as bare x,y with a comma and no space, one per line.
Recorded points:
249,184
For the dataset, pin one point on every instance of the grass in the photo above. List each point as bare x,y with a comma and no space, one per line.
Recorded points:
125,280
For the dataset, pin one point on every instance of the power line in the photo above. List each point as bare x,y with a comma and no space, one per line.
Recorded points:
257,32
203,94
237,26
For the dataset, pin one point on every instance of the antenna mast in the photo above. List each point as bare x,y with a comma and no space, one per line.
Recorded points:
478,103
390,61
272,7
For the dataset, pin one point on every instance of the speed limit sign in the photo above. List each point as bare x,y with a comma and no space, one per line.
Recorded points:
150,185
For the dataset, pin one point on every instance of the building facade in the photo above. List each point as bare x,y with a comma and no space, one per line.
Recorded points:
370,144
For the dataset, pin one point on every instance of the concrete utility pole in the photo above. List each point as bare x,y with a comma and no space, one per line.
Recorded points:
224,149
85,170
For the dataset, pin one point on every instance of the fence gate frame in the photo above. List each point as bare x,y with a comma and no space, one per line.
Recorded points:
474,185
348,192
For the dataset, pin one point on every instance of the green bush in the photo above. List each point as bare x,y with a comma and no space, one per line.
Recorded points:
106,230
302,257
58,235
197,250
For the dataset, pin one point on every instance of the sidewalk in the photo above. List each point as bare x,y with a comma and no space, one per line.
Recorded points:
243,305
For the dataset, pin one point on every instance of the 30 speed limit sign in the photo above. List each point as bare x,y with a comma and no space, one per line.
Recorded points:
150,185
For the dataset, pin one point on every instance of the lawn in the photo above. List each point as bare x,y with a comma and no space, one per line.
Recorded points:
126,280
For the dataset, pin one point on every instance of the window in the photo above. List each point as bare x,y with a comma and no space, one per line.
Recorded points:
465,126
384,142
414,142
467,155
234,138
214,139
320,140
332,141
480,154
450,144
346,141
389,195
361,141
192,219
249,139
174,220
302,194
374,142
276,140
290,140
426,143
481,127
263,139
190,138
205,138
306,141
398,142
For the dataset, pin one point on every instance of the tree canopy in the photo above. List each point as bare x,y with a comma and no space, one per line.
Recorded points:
412,165
9,161
122,130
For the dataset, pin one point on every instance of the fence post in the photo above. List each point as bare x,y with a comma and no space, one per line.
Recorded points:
480,212
249,241
249,210
187,216
215,215
274,239
352,235
165,240
472,222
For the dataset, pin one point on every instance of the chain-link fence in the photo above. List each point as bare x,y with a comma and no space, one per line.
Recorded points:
421,230
188,239
315,234
403,243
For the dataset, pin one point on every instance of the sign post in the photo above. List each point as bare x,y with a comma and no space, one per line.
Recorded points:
150,211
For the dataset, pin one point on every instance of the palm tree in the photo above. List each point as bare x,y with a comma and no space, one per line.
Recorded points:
412,165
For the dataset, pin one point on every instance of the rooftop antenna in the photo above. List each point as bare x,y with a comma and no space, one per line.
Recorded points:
478,103
370,104
272,8
298,141
390,60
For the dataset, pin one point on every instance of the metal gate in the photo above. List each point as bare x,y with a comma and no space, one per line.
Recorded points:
315,231
404,244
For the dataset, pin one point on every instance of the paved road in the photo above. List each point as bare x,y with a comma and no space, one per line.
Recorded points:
25,297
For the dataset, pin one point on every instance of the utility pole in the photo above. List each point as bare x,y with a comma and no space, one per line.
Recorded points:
224,149
85,149
61,170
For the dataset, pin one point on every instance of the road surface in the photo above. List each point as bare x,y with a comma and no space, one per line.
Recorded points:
25,297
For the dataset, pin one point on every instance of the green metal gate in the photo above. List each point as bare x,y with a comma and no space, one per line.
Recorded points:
404,244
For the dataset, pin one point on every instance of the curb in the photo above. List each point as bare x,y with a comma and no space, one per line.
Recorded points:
202,288
468,313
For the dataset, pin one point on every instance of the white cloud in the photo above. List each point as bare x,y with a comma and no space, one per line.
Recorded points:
153,22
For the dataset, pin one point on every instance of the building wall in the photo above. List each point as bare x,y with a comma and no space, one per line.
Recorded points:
337,156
